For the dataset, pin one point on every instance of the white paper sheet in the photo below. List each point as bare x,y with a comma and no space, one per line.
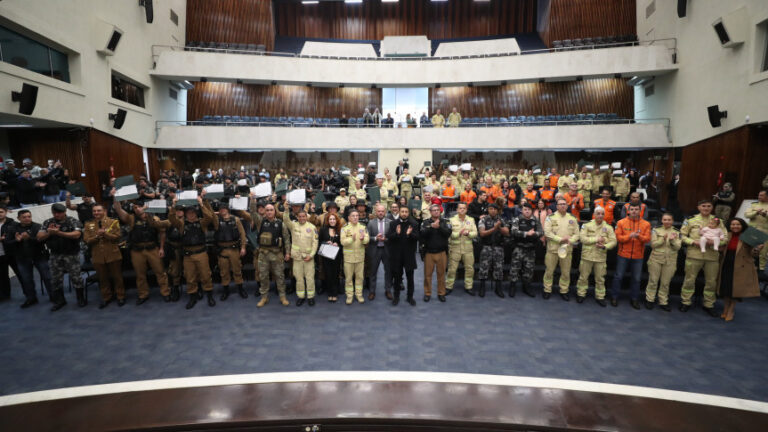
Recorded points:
157,203
466,167
188,195
214,188
262,190
127,190
298,196
328,251
238,203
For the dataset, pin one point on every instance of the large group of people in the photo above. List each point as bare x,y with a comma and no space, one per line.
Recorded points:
31,184
351,223
375,118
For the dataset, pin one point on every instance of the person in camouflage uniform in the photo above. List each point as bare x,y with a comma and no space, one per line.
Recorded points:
492,229
526,231
62,234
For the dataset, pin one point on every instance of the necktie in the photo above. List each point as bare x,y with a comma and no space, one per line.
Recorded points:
381,230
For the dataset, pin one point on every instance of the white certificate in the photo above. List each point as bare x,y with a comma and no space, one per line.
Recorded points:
328,251
158,203
262,190
298,196
466,167
214,188
127,193
188,195
238,203
616,165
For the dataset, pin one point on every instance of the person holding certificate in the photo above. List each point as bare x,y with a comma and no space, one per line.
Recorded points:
330,235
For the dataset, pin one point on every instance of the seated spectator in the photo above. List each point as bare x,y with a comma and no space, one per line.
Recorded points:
343,121
423,120
388,122
367,117
410,121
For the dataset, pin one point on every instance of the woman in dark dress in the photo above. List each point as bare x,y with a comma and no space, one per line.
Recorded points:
329,234
738,274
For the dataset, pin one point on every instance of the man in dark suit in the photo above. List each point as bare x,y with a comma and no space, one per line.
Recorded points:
377,251
402,236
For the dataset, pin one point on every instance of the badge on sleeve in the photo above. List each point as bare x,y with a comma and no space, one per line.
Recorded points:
570,222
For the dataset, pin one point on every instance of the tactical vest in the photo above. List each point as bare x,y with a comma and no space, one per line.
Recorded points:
60,245
494,239
524,225
193,234
227,231
271,233
173,235
142,232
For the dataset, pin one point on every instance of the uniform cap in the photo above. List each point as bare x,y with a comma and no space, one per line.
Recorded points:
58,208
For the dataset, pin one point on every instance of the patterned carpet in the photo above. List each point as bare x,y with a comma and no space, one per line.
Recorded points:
521,336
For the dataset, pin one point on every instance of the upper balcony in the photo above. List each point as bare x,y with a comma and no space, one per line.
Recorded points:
647,58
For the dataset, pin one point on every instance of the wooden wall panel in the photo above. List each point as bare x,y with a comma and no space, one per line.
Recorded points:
231,21
373,20
738,154
279,100
609,95
571,19
81,151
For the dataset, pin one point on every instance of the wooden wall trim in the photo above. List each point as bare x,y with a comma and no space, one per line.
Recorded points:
571,19
231,21
372,20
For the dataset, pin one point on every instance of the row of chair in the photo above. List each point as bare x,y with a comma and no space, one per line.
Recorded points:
596,42
570,119
202,46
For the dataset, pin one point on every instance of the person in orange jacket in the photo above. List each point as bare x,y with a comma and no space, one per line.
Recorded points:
632,233
608,204
574,199
468,196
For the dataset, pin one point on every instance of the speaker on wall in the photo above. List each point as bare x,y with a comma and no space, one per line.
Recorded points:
27,98
715,115
114,35
731,28
119,118
681,7
148,10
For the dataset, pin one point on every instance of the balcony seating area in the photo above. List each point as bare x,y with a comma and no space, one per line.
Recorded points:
239,47
284,121
596,42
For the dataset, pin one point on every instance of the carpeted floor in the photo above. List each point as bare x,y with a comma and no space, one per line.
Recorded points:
521,336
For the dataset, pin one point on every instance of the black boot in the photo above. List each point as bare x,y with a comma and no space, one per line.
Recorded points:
243,293
481,290
527,289
192,301
512,289
498,290
57,297
81,301
199,292
224,293
211,301
175,293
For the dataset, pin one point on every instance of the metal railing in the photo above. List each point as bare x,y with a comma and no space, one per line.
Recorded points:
671,44
314,124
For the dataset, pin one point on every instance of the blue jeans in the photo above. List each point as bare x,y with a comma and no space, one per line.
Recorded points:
50,199
635,272
27,279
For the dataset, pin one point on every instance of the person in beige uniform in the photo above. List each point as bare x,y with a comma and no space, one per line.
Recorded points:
562,231
342,201
597,238
102,234
662,264
757,214
229,236
147,242
696,260
620,187
304,242
406,184
463,232
354,238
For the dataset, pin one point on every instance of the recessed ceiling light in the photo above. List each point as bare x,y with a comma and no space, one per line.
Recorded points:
310,2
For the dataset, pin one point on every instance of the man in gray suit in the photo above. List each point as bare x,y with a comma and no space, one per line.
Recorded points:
377,251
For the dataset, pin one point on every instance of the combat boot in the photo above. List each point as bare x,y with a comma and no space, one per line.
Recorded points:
224,293
512,289
192,300
57,297
264,300
481,290
498,290
211,301
359,296
81,301
175,293
527,289
199,292
243,293
284,301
